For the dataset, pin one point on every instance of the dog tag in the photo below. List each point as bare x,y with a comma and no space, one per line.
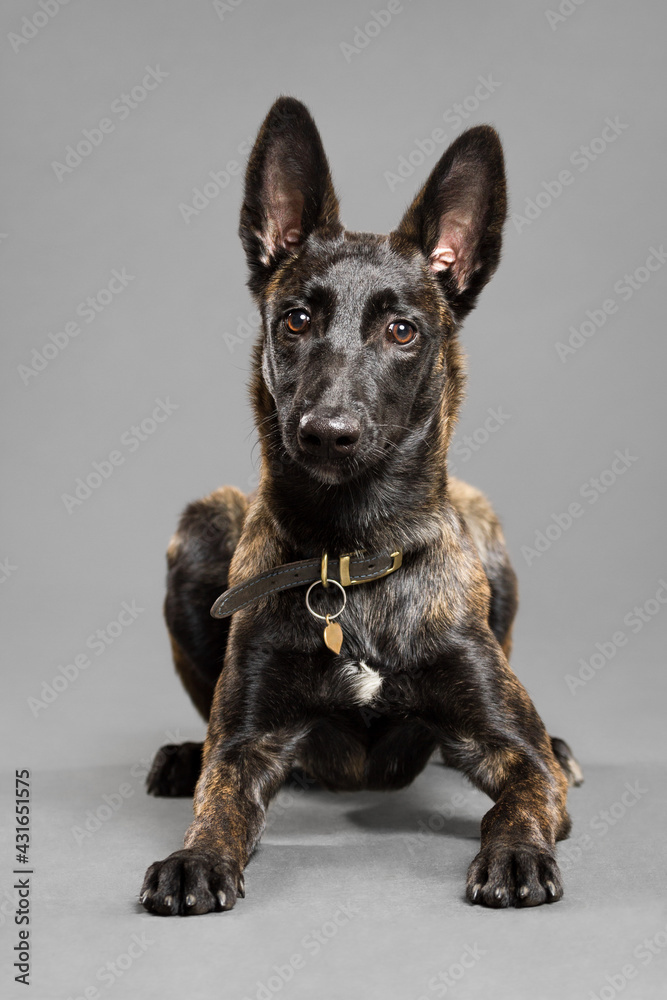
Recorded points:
333,636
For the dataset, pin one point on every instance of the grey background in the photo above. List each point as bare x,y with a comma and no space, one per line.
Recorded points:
168,335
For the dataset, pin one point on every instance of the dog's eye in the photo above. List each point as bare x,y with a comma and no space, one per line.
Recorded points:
297,321
401,331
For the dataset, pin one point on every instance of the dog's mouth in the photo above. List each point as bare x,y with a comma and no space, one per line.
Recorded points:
331,471
377,452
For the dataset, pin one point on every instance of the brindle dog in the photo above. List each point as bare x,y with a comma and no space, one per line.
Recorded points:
357,381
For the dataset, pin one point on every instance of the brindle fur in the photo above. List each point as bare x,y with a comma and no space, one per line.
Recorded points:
438,632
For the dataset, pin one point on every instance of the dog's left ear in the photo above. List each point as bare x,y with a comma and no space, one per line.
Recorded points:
288,189
456,219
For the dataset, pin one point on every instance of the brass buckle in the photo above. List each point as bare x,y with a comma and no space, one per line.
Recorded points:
348,581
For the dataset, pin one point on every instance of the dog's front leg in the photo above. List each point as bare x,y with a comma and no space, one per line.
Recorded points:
239,777
495,736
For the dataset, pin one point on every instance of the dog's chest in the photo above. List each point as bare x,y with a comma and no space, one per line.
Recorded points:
371,667
357,682
383,651
385,663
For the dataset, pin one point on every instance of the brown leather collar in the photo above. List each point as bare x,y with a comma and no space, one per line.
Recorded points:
346,570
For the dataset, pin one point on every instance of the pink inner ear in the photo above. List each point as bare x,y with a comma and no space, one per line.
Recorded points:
456,240
442,258
287,210
291,238
284,209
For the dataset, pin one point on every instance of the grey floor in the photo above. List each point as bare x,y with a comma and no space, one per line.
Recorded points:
361,893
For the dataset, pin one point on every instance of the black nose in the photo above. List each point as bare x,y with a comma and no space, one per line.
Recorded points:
328,435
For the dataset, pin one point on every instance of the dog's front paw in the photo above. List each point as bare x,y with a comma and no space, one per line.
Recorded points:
518,875
175,770
190,882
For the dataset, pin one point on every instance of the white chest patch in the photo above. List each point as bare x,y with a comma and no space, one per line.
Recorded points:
363,681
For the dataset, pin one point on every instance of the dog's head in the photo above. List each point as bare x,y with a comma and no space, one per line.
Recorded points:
358,357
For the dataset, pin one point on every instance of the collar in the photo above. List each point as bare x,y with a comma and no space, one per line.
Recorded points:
348,569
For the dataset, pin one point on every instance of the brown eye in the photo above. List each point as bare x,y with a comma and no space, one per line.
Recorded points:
297,321
401,331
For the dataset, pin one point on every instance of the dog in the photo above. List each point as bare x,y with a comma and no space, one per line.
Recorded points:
357,380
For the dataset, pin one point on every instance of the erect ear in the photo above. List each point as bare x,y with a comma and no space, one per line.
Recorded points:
456,219
288,189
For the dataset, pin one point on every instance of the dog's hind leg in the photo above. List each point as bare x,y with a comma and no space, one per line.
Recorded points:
567,761
175,770
504,603
198,561
487,534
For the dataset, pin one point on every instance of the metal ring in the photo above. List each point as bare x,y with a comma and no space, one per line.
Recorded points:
325,618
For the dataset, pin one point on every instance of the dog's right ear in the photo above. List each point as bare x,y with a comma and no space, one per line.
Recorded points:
288,190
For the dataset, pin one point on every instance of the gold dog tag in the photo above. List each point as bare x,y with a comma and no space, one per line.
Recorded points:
333,636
